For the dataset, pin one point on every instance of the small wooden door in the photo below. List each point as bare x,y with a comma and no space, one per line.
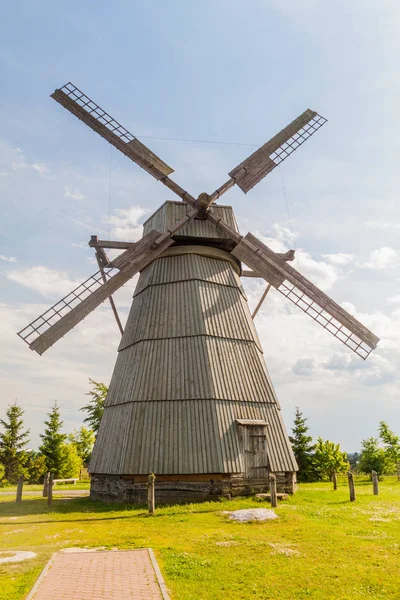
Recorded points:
255,451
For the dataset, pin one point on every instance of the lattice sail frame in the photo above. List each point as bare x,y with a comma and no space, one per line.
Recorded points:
328,322
90,113
294,142
65,305
246,175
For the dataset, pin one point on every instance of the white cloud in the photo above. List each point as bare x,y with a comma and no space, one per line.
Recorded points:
80,245
47,282
125,223
394,299
9,259
15,159
382,258
75,194
303,367
339,258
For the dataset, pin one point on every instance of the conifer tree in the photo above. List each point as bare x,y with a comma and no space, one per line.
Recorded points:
13,441
303,447
53,441
95,407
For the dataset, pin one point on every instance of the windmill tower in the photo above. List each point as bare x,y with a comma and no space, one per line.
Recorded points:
190,397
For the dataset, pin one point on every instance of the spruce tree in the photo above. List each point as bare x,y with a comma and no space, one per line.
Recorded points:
303,447
53,441
13,441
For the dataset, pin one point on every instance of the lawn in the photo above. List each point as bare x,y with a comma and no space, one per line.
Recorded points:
322,546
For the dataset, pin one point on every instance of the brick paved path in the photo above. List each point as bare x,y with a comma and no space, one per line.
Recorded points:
101,575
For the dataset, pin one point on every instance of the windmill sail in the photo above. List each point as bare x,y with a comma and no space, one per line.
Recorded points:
53,324
276,150
80,105
304,294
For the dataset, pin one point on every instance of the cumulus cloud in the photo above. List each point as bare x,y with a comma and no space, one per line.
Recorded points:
303,367
125,223
339,259
394,299
381,258
321,273
47,282
73,193
9,259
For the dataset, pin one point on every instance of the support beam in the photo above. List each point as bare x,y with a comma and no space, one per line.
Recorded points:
96,243
100,254
261,300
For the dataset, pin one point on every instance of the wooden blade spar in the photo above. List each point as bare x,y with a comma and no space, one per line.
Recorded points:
252,170
307,296
54,323
80,105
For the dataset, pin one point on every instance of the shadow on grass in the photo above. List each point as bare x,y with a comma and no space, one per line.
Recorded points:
84,505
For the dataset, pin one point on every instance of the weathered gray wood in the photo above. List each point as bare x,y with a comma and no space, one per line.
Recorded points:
46,485
110,244
19,489
141,255
375,484
249,172
272,487
133,149
100,261
263,260
352,488
151,493
334,479
257,308
50,491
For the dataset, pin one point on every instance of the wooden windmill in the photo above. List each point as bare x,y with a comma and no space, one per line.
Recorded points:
190,397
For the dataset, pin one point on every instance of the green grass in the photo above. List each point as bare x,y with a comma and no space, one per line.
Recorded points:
33,487
322,546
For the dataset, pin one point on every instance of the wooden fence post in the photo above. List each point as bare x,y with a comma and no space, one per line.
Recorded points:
19,489
272,489
334,479
150,493
45,485
352,489
375,487
50,490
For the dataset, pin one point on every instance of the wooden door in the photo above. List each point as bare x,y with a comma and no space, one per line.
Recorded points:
255,451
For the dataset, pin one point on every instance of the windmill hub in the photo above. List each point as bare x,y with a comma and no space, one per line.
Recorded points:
190,398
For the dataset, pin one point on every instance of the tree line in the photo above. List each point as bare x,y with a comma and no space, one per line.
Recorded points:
321,459
64,455
59,453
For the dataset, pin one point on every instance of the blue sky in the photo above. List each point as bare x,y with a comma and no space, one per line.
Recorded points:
230,71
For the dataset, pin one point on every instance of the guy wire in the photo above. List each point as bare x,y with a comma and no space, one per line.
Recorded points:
289,217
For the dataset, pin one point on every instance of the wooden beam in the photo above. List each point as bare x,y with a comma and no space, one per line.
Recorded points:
110,244
246,273
140,256
263,260
261,301
99,257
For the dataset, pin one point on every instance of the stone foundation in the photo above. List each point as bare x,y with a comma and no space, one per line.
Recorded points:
175,489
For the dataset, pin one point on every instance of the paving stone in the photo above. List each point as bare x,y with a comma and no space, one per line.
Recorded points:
112,575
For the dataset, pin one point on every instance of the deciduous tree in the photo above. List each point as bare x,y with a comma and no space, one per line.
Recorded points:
329,459
374,458
391,443
83,439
